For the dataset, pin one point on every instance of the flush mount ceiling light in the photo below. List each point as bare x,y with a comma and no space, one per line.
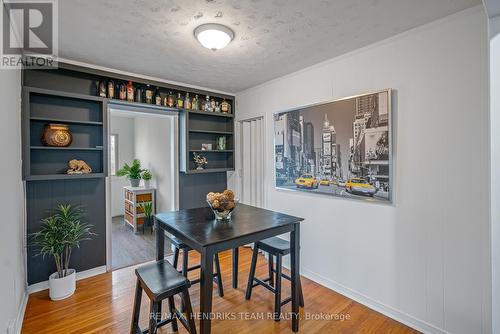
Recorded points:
213,36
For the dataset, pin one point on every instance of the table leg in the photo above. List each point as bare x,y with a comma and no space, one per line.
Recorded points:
295,269
206,286
235,267
160,242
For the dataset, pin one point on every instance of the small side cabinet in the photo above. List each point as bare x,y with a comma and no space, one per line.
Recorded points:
134,196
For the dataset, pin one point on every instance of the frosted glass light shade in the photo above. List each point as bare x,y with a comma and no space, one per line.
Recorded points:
213,36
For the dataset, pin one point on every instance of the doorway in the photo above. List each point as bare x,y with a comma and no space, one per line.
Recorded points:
150,136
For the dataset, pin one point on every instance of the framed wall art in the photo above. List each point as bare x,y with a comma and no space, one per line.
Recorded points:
339,148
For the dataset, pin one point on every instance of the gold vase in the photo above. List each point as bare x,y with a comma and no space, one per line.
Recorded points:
56,135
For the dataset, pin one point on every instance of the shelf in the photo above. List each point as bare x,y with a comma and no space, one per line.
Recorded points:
212,151
212,132
64,177
60,120
198,112
57,93
208,170
66,148
135,105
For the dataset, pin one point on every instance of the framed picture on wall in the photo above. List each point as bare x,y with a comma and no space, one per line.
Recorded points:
339,148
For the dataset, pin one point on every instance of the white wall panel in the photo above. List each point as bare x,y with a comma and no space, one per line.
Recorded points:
424,259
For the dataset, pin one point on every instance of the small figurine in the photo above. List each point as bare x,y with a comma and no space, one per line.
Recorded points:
78,167
200,161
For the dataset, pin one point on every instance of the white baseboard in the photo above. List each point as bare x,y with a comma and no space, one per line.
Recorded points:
79,275
17,324
386,310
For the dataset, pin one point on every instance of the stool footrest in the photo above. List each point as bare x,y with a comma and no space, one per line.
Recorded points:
264,284
182,318
158,325
287,300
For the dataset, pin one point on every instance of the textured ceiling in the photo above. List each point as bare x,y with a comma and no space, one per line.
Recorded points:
272,37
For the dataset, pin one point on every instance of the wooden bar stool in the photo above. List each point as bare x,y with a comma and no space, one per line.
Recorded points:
273,247
179,245
161,281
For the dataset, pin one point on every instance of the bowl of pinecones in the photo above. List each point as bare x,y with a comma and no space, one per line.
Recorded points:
222,204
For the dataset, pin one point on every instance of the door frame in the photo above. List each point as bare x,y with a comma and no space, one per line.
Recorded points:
152,110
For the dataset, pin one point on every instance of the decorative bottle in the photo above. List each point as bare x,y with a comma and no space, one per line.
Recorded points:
194,104
180,101
225,107
130,92
139,95
206,105
111,89
102,89
187,101
170,100
123,91
158,97
212,104
149,95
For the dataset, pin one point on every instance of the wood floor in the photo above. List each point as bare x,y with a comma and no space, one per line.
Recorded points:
103,304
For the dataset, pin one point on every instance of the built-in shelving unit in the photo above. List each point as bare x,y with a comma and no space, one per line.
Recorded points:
85,116
197,129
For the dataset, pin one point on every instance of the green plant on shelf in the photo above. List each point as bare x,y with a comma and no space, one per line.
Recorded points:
146,175
132,171
147,209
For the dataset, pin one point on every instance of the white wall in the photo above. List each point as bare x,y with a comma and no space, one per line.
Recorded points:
155,147
494,30
12,280
123,126
425,258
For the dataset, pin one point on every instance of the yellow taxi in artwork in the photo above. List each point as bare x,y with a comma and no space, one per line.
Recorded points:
360,186
324,182
307,181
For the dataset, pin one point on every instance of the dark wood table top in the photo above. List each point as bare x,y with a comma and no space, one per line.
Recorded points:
200,227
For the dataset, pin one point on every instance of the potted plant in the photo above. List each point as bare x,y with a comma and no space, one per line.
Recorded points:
132,172
59,234
147,176
147,210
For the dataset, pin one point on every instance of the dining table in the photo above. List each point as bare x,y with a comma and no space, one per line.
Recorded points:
198,228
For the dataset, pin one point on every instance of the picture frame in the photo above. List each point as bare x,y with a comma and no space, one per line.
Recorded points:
338,148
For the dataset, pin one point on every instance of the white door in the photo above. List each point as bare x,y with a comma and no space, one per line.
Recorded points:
251,161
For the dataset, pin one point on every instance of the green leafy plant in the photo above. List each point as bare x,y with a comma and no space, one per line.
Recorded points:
146,175
147,209
59,234
132,171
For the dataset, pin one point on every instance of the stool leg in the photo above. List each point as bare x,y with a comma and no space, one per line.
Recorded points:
137,308
251,275
171,307
218,275
301,296
176,258
153,307
277,286
189,311
271,274
184,270
185,257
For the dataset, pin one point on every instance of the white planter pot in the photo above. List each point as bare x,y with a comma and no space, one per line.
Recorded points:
60,288
147,183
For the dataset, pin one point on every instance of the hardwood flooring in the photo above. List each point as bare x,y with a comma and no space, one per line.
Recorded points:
103,304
